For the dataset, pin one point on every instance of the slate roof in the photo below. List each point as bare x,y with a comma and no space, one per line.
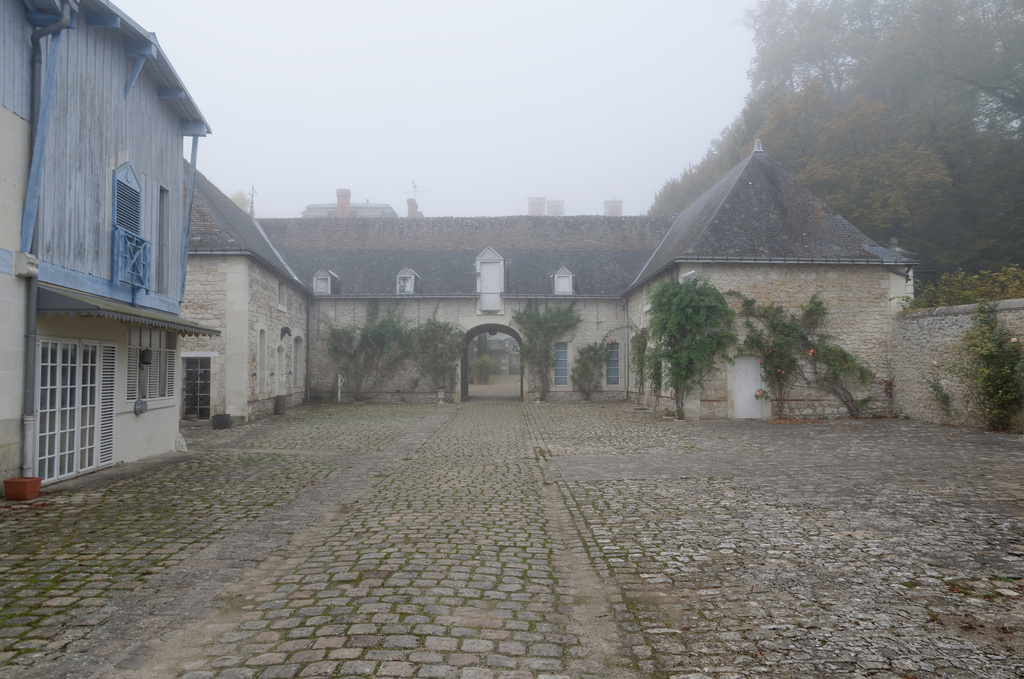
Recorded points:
603,253
219,226
757,212
442,273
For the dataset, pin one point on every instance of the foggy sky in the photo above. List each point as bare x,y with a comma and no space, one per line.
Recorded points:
481,104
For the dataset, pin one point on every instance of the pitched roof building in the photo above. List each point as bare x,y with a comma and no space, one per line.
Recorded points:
756,231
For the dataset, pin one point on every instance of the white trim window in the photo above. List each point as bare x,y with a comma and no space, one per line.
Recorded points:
490,279
407,282
323,282
561,364
563,282
611,365
152,364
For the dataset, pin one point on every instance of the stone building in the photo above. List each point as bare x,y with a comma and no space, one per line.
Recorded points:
239,284
756,232
761,234
473,272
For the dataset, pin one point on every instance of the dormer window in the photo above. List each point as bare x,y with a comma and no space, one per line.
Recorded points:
408,282
323,282
563,282
490,279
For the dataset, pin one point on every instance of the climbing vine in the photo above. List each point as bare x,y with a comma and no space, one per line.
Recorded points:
691,325
792,347
372,353
639,361
436,350
992,369
540,329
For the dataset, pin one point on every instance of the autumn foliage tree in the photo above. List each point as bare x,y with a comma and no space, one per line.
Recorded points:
906,116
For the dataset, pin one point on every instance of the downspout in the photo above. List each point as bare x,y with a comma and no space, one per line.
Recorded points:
309,345
39,123
625,348
188,213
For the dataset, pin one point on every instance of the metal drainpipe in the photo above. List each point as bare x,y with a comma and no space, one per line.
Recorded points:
28,423
309,345
624,364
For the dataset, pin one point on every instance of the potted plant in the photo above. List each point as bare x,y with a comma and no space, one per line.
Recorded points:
22,487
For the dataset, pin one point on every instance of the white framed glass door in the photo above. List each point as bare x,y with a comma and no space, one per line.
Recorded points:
74,425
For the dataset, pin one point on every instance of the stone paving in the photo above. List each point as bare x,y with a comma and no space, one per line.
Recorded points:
497,540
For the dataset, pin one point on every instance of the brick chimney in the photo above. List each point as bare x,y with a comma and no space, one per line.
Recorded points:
344,203
414,208
536,206
613,208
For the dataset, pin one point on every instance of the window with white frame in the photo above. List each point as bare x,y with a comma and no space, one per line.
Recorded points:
561,364
407,282
322,282
611,365
490,281
563,282
152,364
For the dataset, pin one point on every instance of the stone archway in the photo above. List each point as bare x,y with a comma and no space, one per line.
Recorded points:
471,334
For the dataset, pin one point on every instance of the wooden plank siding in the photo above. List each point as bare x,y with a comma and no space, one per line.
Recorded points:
95,130
15,57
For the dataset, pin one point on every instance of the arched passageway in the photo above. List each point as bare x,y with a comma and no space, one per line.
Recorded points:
510,373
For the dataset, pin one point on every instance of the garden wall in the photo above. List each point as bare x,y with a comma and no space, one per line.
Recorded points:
925,343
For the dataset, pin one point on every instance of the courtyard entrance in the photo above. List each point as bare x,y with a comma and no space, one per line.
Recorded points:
490,363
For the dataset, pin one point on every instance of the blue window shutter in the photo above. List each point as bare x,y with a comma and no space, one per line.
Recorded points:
130,252
127,212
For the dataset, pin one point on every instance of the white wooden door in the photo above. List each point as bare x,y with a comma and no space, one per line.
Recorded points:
746,382
490,286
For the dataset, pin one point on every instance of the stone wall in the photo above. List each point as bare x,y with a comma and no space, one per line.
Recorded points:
860,301
239,297
205,302
926,343
603,319
275,304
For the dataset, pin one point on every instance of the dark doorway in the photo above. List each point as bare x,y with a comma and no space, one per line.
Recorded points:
490,363
196,400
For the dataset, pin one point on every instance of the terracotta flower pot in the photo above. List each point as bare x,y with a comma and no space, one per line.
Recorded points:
22,487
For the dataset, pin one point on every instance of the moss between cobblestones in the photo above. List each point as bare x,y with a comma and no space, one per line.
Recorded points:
73,554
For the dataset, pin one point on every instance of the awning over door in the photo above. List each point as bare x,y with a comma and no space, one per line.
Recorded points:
55,300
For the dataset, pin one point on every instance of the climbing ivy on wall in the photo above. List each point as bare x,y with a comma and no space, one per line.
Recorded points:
792,347
691,325
436,350
540,329
370,354
993,369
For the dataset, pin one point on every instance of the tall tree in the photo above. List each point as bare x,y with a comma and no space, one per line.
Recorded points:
906,116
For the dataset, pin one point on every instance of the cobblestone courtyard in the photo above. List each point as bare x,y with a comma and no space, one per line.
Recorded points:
497,540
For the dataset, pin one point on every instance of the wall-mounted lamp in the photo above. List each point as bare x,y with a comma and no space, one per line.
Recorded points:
146,357
286,332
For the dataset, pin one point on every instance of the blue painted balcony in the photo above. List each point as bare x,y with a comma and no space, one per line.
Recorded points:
131,259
